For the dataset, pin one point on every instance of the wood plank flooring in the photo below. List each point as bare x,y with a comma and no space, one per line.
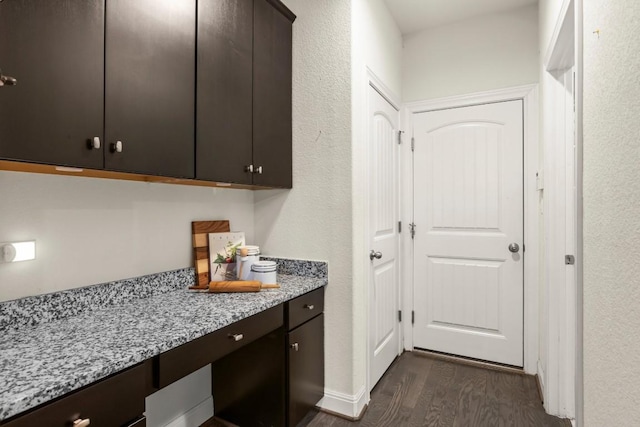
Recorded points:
420,390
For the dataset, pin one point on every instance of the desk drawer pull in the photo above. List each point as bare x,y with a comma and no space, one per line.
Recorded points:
309,306
81,423
236,337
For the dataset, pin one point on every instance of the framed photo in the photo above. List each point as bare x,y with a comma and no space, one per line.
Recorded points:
223,249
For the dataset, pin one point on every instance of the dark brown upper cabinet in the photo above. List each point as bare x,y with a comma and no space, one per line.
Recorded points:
150,87
244,92
272,158
55,51
180,89
224,90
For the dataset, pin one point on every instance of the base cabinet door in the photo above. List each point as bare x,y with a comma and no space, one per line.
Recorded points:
116,401
305,358
55,52
248,384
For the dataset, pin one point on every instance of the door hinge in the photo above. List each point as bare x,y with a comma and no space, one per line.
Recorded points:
569,259
412,230
399,316
413,144
413,317
399,226
400,132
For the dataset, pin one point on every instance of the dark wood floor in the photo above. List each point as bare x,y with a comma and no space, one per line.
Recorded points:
423,390
420,390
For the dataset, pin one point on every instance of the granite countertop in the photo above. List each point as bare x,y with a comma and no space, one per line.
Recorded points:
41,362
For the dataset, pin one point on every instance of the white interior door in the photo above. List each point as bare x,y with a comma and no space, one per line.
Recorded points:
468,210
384,343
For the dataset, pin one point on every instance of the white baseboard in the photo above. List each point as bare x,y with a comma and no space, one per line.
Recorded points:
344,404
541,378
195,416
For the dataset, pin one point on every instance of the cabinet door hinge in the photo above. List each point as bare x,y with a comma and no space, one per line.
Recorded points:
400,132
413,317
412,230
399,226
399,316
413,144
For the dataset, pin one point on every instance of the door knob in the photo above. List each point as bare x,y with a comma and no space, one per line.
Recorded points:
514,247
373,254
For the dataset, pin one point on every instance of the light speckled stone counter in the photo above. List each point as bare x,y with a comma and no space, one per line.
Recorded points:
40,362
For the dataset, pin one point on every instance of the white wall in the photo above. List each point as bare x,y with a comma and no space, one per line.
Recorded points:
483,53
90,231
377,47
611,213
313,220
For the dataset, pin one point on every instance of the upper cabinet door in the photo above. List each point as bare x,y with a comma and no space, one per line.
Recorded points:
55,51
224,90
150,87
272,94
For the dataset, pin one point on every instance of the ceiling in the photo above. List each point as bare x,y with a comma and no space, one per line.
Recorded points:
415,15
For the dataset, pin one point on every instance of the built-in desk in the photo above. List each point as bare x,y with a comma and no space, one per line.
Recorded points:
88,365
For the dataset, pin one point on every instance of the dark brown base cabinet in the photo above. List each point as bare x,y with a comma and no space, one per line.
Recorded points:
268,370
305,379
112,402
304,320
254,386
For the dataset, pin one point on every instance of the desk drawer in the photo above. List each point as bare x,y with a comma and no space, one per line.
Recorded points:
181,361
115,401
304,308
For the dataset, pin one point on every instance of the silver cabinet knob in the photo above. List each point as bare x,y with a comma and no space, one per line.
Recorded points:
236,337
295,346
309,306
94,143
248,168
258,170
82,423
514,247
7,80
373,254
116,147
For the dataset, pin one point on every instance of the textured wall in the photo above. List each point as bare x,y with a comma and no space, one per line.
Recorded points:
377,42
90,231
611,213
474,55
314,220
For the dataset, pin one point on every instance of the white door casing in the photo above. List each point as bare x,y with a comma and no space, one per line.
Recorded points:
384,333
468,208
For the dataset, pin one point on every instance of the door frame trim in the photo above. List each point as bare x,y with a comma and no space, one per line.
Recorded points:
563,391
529,95
373,81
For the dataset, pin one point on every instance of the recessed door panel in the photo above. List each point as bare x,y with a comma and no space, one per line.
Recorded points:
384,334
